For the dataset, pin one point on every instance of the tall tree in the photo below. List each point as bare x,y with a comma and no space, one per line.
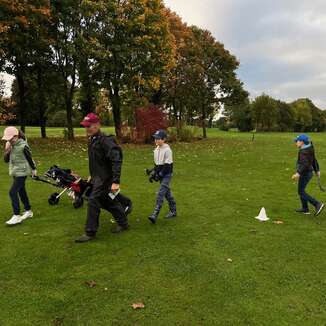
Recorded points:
285,116
211,72
240,115
135,49
20,23
177,85
66,15
264,109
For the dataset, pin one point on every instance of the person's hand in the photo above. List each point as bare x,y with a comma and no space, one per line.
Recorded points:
296,177
8,146
318,174
115,187
34,173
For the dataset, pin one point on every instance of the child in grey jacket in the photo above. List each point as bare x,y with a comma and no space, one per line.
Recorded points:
21,165
163,159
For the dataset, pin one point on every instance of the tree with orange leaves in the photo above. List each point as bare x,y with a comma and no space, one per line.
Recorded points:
23,33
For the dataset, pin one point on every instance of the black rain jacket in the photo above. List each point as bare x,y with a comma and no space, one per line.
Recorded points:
105,161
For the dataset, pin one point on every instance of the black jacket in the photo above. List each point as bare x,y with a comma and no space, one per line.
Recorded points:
307,161
105,160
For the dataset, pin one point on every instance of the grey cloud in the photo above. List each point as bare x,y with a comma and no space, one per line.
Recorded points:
281,44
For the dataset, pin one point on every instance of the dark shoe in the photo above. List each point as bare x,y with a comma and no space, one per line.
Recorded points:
319,208
153,219
171,215
119,229
85,238
303,211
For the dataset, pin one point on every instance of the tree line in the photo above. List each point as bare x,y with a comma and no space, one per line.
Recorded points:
72,57
265,113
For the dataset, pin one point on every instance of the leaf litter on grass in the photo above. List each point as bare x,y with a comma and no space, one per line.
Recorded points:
91,284
137,306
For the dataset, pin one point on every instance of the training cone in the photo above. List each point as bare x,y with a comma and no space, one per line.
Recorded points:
262,215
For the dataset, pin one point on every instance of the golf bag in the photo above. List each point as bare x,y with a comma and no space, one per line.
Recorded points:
69,183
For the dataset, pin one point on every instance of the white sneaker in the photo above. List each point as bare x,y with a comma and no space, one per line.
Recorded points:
16,219
27,214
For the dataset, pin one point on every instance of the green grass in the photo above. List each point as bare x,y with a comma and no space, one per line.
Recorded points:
55,131
179,269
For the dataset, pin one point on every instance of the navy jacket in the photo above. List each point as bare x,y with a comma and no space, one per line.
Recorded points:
307,161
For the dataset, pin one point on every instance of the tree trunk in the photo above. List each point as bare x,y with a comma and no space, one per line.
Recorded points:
116,108
157,97
68,100
88,103
210,122
204,122
70,127
21,95
69,103
41,104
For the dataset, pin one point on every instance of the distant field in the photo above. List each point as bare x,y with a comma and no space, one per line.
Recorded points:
55,132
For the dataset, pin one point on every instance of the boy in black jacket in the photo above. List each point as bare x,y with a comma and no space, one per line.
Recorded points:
306,165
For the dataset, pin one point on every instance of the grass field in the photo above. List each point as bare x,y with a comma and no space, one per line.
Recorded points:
55,132
213,265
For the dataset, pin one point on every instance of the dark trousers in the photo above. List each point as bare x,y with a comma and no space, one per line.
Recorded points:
17,191
125,201
305,198
165,193
95,204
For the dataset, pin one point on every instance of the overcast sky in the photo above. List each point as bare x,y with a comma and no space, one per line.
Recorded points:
281,44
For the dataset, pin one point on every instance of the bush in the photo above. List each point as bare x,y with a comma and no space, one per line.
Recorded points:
185,134
223,124
59,119
149,120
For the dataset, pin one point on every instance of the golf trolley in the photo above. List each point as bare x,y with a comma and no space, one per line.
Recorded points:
64,179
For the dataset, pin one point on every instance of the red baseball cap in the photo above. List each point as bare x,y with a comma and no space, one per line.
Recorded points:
90,119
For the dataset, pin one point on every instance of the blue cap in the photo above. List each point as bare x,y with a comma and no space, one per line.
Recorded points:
160,134
303,138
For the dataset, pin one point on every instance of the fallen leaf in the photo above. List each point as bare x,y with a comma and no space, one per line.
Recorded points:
58,321
91,284
278,222
229,260
138,306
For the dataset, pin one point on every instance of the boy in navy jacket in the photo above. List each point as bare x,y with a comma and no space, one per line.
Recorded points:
306,165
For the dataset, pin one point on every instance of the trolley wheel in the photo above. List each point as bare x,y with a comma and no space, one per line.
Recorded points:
78,202
53,200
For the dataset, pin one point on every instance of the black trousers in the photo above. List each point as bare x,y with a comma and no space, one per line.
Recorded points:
103,201
17,191
125,201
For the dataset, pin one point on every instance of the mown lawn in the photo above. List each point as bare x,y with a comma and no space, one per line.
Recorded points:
181,270
55,131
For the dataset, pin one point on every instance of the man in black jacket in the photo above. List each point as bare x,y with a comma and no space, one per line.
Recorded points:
306,165
105,162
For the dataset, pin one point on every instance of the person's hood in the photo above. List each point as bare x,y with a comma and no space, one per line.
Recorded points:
305,146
